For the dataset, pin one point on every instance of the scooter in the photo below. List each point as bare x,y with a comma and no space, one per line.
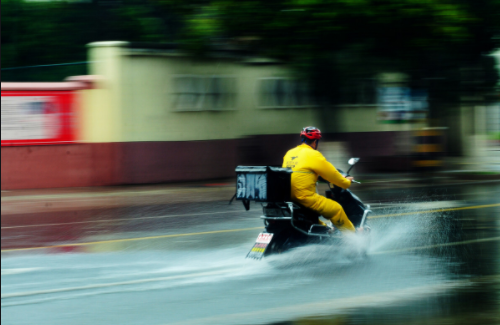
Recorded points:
289,225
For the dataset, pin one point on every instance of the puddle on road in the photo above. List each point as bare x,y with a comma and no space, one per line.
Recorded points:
475,304
440,285
474,268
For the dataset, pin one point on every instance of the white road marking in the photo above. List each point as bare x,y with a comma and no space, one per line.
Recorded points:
235,230
19,270
176,277
114,284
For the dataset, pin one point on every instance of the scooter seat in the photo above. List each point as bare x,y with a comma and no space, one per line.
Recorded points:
308,213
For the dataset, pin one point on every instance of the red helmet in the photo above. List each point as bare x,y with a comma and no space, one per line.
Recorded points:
311,133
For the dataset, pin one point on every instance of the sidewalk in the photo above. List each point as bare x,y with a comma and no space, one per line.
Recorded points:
91,198
33,218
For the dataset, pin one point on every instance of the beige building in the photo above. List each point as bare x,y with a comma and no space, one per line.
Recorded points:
162,95
157,115
166,106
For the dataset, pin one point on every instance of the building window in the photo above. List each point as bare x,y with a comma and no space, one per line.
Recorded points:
493,119
283,93
198,93
358,92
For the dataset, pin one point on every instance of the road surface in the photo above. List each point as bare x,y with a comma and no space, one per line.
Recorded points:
434,257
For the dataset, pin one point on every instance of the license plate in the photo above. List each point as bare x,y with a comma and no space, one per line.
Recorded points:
260,246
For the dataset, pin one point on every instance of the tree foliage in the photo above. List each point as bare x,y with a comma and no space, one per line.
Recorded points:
328,41
334,41
42,33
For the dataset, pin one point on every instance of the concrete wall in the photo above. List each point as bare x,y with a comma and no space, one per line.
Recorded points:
137,94
71,165
359,118
118,163
131,132
102,116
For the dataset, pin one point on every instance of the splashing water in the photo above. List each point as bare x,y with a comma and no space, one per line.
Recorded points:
406,226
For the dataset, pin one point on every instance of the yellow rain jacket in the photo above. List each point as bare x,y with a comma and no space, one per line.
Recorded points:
307,165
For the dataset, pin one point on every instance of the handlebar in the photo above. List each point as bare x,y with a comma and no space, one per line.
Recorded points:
322,180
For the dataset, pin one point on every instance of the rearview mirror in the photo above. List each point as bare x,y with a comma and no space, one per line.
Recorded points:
353,161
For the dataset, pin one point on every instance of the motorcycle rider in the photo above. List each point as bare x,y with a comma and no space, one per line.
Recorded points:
308,164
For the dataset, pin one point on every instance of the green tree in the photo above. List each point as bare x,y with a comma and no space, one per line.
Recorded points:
44,33
331,42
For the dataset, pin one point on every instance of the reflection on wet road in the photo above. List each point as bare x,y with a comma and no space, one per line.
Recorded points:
434,259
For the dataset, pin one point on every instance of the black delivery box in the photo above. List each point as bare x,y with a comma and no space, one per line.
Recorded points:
263,183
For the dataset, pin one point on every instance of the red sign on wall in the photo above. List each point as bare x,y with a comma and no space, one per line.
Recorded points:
38,117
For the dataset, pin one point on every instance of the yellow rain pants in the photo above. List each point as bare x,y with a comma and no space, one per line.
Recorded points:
307,165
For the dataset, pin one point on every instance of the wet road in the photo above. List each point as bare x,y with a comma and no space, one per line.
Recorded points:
184,264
